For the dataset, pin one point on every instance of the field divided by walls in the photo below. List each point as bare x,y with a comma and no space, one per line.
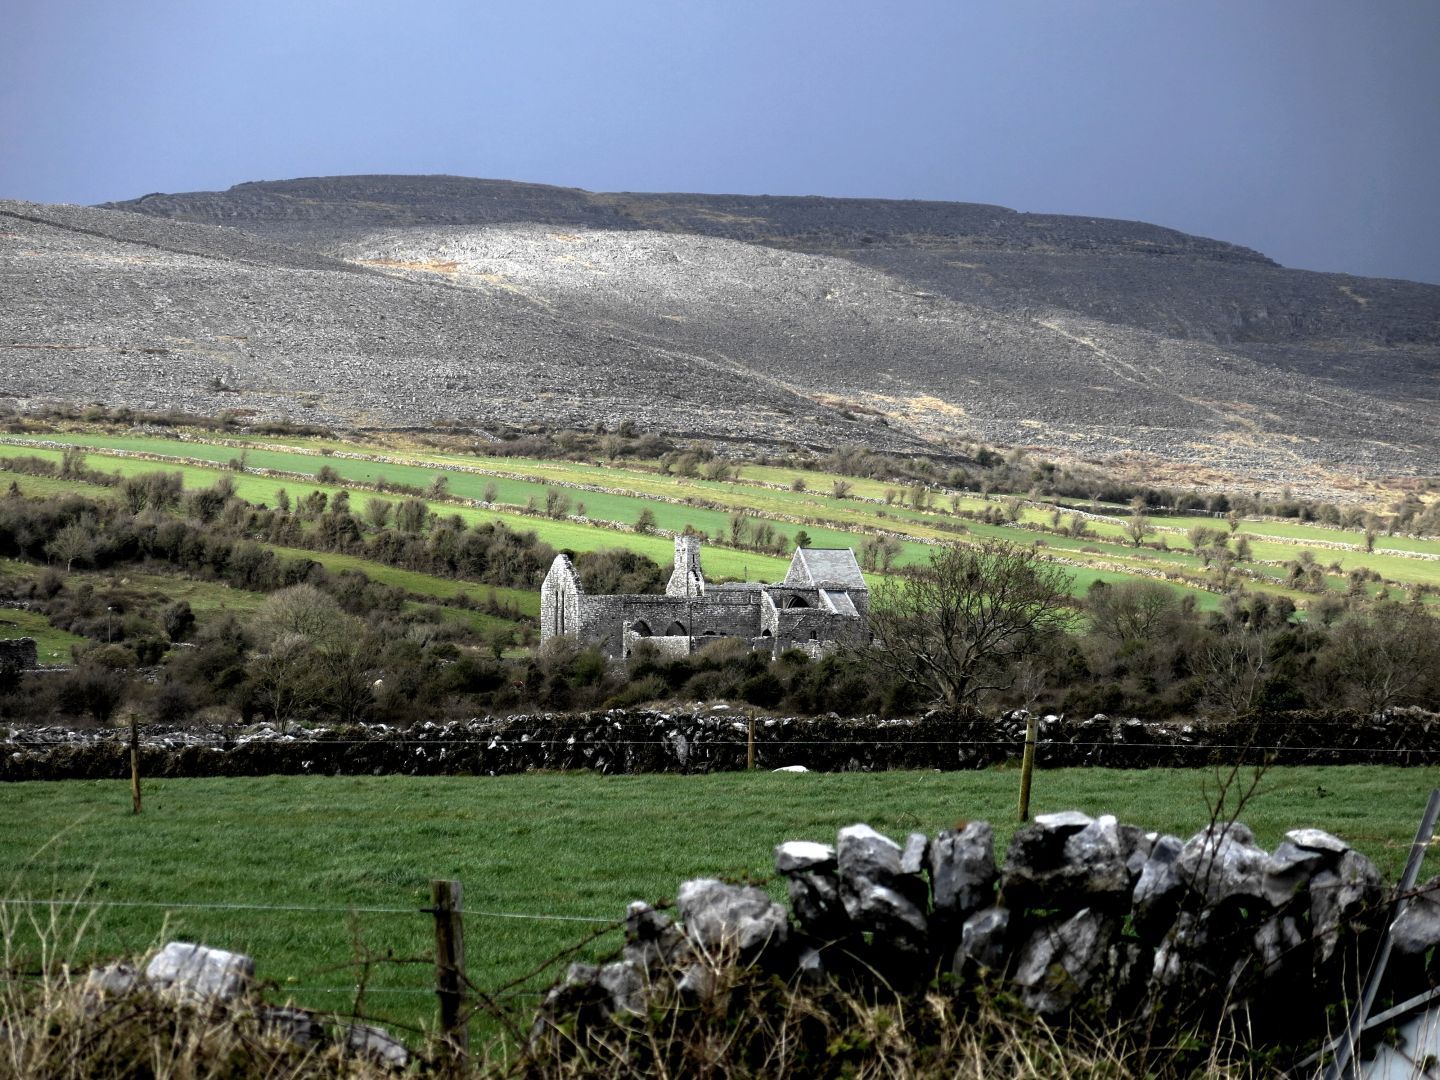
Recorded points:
594,506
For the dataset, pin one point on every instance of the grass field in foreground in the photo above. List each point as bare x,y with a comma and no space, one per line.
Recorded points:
573,844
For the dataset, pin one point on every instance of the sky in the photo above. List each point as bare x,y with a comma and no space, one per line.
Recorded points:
1306,129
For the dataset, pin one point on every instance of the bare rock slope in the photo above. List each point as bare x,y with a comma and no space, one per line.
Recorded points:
404,300
120,308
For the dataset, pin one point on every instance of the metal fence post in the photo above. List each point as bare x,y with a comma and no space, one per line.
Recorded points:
1349,1042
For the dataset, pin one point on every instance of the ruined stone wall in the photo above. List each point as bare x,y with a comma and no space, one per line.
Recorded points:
672,647
690,609
607,617
732,614
799,626
19,653
717,614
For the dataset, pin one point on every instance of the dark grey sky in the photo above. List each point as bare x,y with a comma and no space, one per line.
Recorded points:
1309,129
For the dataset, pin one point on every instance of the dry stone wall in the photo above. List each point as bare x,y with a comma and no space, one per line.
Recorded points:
1081,915
712,740
19,653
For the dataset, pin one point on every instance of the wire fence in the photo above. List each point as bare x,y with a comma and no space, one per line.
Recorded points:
716,744
409,1011
399,992
183,905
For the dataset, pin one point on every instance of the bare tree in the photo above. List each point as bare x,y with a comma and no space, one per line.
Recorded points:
1138,526
739,525
284,678
1233,664
74,543
1133,611
311,652
956,627
1386,656
305,611
557,503
72,462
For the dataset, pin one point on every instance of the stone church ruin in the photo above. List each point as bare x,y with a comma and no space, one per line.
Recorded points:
822,604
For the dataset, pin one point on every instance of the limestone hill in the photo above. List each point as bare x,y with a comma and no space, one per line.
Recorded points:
405,300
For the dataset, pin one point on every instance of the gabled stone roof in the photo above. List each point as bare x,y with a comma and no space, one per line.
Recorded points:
825,566
839,602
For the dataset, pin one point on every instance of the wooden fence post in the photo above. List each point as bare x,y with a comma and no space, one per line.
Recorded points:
134,763
446,905
1027,765
750,744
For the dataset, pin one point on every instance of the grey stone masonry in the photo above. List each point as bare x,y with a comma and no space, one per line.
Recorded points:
822,604
19,653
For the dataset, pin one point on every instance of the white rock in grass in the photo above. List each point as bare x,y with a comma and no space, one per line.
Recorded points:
377,1044
791,768
195,972
114,979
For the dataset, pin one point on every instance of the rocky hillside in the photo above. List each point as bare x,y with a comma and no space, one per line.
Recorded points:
404,300
125,309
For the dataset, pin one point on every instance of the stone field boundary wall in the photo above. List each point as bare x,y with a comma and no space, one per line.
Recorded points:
1082,916
714,740
21,653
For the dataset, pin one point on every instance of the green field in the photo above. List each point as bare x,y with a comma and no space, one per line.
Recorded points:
53,646
412,581
1302,533
762,492
578,845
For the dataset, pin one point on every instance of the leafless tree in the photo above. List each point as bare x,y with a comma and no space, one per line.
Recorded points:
1383,657
74,543
284,678
956,627
1233,664
1137,527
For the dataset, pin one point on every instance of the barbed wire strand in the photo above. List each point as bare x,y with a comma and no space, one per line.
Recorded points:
202,906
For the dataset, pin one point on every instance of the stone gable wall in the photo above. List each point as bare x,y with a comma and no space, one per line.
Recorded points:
561,600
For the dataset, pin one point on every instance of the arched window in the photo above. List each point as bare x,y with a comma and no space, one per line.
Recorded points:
797,601
641,627
766,633
675,629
